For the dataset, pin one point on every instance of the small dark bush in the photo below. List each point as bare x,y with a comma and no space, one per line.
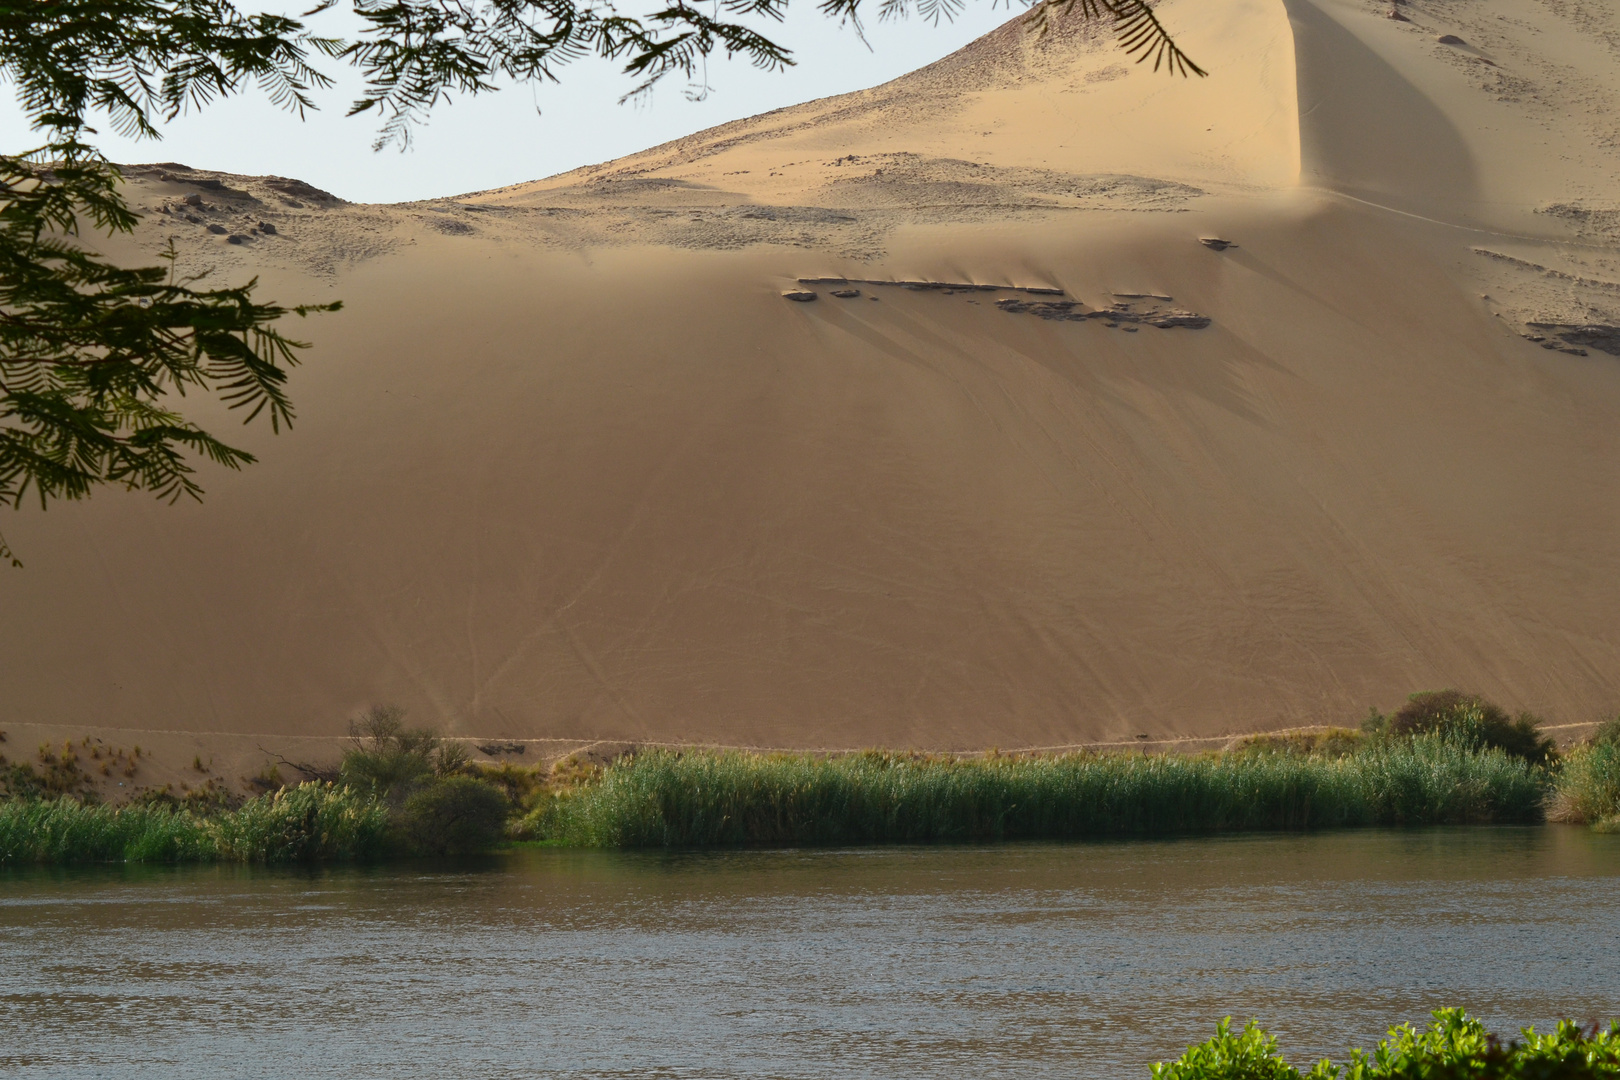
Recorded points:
390,760
210,798
518,784
1330,742
456,815
1473,721
1608,733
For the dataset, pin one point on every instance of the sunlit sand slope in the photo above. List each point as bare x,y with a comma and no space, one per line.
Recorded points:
570,466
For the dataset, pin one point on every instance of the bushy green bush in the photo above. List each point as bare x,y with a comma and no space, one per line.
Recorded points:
389,760
1473,722
454,815
1454,1046
663,798
1250,1054
436,805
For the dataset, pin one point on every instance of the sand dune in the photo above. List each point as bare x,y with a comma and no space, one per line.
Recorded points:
569,466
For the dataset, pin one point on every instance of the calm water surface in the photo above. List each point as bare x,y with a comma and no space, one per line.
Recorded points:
1028,961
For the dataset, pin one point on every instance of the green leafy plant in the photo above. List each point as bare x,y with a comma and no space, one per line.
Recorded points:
1473,721
455,815
1250,1054
389,760
311,822
1454,1046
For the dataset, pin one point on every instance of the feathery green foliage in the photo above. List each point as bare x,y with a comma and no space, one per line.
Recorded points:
65,831
671,799
1454,1046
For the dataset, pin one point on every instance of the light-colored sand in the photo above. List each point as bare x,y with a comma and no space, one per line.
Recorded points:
569,467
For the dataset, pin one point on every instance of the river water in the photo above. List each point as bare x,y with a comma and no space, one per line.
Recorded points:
1028,960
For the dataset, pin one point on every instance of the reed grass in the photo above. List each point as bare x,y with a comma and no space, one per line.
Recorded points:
309,822
668,799
1589,785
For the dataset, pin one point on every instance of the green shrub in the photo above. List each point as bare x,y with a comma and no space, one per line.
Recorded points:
1251,1054
519,785
387,756
455,815
664,798
1454,1046
1473,722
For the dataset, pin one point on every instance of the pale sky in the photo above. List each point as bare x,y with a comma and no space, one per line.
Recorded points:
527,132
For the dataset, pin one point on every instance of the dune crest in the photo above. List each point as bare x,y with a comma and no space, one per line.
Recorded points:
572,466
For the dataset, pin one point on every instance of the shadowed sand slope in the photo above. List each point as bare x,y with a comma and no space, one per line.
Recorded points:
570,466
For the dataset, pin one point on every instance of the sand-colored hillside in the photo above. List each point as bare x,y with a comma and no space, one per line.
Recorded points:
570,467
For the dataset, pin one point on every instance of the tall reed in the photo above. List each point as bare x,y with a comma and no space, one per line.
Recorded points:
667,799
308,822
65,831
1589,785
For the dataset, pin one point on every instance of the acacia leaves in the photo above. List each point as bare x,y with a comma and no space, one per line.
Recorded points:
90,351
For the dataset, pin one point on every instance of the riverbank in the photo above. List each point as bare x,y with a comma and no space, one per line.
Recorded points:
696,800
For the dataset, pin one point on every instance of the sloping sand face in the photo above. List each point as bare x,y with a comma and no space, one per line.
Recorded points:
570,466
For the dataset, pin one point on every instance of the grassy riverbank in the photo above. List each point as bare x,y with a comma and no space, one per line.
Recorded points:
306,823
664,799
1443,759
661,799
